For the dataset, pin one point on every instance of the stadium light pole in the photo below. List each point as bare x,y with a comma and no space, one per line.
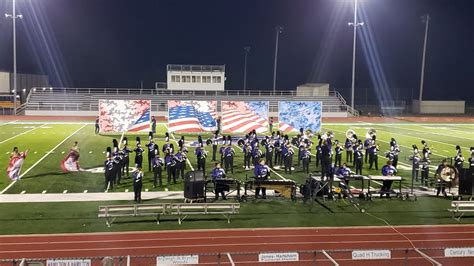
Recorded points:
354,24
247,51
14,16
426,20
278,31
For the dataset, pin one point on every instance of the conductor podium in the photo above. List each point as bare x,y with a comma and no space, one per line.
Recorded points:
194,185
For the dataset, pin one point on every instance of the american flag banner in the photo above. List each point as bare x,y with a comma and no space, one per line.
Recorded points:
124,116
243,117
295,115
192,116
70,163
15,164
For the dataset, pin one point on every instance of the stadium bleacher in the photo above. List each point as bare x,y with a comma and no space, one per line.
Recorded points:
86,99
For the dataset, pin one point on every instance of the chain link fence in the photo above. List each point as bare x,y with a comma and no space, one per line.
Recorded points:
394,256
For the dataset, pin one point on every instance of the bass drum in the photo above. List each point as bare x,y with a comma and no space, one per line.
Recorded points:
450,174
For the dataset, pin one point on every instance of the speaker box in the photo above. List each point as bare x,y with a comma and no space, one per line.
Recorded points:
194,185
466,181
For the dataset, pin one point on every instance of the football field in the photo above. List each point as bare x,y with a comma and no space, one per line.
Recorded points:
49,142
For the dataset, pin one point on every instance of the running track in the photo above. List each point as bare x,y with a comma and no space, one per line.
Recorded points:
249,240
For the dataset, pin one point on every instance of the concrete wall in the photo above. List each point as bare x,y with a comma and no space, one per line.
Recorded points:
5,82
313,89
438,107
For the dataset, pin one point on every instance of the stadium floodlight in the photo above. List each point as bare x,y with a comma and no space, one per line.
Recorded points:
278,31
24,90
14,16
247,51
51,88
354,24
44,89
426,20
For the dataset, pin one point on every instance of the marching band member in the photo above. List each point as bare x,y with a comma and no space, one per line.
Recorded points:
97,126
387,170
318,153
180,159
287,153
343,173
305,157
181,142
151,150
166,145
126,157
416,160
217,174
201,155
459,159
301,145
109,170
137,184
138,153
229,158
157,164
471,160
393,142
358,159
256,154
367,145
338,154
373,158
247,150
425,164
325,160
395,149
278,148
118,165
170,166
261,172
270,124
153,124
269,152
349,150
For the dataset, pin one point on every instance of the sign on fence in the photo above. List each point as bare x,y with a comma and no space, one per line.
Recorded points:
177,260
459,252
278,257
68,262
380,254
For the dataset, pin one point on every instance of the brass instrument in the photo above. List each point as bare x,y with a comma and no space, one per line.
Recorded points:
371,133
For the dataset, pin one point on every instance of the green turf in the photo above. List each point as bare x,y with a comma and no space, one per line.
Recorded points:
80,217
46,175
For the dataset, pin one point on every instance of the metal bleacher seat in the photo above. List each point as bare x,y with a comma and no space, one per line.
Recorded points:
86,99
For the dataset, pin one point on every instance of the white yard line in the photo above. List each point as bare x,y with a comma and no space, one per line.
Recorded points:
428,133
276,173
11,122
187,159
41,159
1,142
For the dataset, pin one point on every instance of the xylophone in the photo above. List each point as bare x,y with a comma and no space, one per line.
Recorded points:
287,188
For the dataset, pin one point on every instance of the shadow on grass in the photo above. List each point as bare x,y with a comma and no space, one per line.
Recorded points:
44,174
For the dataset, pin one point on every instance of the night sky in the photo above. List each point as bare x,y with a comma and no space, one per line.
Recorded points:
118,43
